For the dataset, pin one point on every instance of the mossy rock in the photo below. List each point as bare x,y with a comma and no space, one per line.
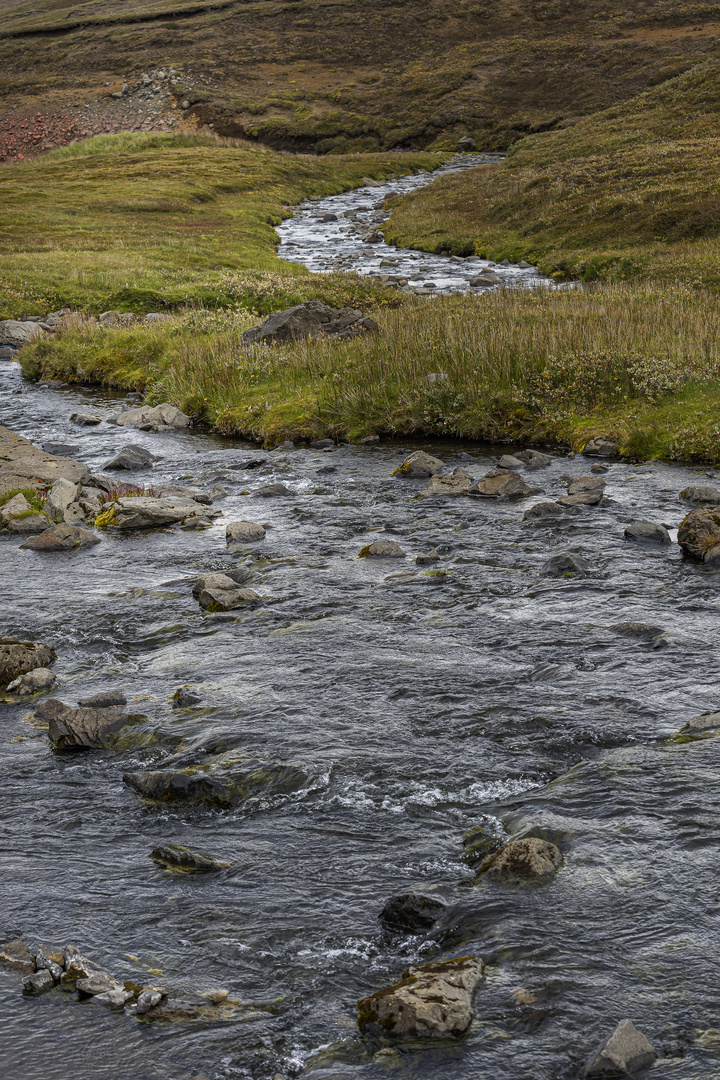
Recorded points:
218,782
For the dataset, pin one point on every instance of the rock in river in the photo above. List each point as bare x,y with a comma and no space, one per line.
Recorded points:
584,491
32,681
600,447
458,483
625,1052
565,563
647,531
431,1001
130,457
219,592
544,510
418,465
311,319
176,857
701,493
62,538
18,657
382,549
82,728
147,512
163,417
412,911
500,483
23,465
529,859
222,780
244,532
699,535
15,956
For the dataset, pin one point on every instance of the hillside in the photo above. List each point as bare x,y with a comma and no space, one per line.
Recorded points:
628,192
334,75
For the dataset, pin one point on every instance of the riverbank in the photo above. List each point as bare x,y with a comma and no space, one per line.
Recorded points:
624,194
637,365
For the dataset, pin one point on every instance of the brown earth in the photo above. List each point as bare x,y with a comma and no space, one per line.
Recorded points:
336,75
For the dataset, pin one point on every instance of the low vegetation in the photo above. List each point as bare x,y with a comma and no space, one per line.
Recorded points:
638,364
627,193
143,222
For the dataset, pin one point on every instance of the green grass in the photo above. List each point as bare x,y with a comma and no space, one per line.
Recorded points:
140,222
627,193
637,364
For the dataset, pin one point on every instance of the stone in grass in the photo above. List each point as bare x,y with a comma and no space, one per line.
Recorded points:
382,549
527,860
62,538
418,465
310,319
625,1052
412,911
177,857
19,657
222,780
565,563
15,956
431,1001
244,532
648,532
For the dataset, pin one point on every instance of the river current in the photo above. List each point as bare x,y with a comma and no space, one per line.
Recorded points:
421,706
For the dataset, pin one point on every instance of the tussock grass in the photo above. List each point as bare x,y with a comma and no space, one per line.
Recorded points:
636,364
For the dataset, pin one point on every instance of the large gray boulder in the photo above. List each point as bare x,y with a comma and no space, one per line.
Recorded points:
701,493
565,562
16,333
527,860
418,465
431,1001
584,491
62,537
311,319
163,417
219,592
23,465
130,457
382,549
625,1052
244,532
458,483
647,531
19,657
148,512
412,911
81,728
600,447
61,495
502,483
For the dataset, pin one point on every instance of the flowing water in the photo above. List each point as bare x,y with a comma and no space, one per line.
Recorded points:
340,244
420,706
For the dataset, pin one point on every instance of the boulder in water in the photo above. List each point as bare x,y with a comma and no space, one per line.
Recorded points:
382,549
565,563
534,459
600,447
165,417
412,911
38,983
311,319
625,1052
19,657
544,510
270,491
62,494
62,537
418,465
220,593
458,483
527,860
584,491
701,493
106,699
176,857
431,1001
147,512
502,483
32,681
647,531
699,535
15,956
81,728
244,532
130,457
222,780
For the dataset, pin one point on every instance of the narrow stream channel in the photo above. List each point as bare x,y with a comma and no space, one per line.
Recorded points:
420,706
331,234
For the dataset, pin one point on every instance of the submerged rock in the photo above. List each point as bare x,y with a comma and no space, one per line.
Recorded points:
244,532
106,699
269,491
412,911
62,538
647,531
19,657
565,563
382,549
176,857
544,510
478,844
431,1001
528,859
82,728
625,1052
709,721
221,781
418,465
699,535
499,483
311,319
427,557
163,417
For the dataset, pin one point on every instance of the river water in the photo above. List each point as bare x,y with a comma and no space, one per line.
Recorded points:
339,245
420,707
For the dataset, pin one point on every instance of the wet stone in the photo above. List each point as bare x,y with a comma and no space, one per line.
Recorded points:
431,1001
648,532
218,782
709,721
38,983
106,699
148,999
527,860
427,558
19,657
270,491
15,956
244,532
625,1052
412,912
62,538
382,549
564,564
418,465
82,728
499,483
176,857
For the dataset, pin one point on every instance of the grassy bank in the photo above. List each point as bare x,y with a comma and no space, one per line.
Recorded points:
627,193
636,364
139,222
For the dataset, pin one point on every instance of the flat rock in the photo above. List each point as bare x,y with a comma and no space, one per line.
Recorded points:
101,983
427,557
382,549
32,682
225,595
419,465
647,531
458,483
412,911
163,417
709,721
644,631
23,465
584,491
528,860
62,537
220,781
19,657
311,319
130,457
18,333
106,699
565,563
699,535
625,1052
502,483
81,728
701,493
244,532
28,525
147,512
176,857
509,461
431,1001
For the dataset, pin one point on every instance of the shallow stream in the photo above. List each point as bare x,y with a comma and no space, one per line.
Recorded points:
421,706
